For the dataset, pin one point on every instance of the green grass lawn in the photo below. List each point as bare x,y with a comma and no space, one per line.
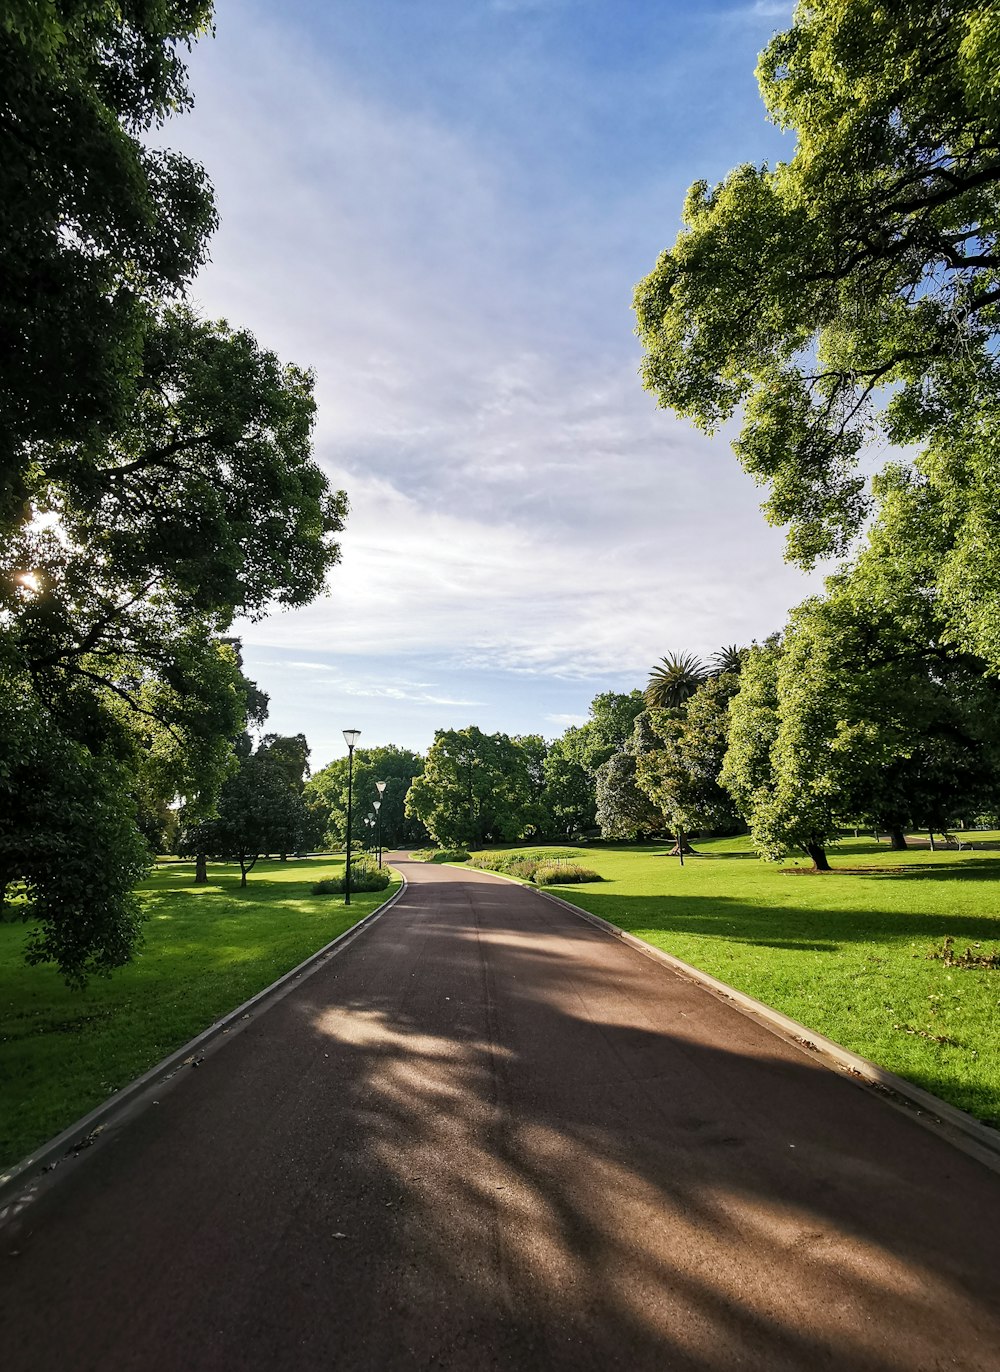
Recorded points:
845,954
207,949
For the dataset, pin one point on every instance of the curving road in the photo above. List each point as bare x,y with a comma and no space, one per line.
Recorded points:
489,1136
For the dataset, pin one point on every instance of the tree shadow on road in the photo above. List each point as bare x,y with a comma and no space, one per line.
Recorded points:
489,1138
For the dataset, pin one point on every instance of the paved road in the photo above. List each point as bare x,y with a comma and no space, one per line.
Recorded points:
488,1136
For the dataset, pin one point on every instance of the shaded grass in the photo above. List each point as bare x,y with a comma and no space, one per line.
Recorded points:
845,954
207,949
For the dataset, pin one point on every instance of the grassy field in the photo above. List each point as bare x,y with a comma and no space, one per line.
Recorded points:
207,949
846,954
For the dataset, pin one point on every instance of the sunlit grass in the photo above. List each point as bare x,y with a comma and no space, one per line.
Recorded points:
206,949
846,954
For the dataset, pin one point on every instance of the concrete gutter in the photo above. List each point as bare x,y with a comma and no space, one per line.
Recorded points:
138,1093
961,1129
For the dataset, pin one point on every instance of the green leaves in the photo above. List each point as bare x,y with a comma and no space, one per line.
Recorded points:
850,295
475,787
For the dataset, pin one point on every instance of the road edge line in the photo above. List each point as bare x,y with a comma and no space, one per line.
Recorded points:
931,1111
74,1138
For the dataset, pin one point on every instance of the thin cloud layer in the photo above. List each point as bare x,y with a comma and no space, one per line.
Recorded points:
520,511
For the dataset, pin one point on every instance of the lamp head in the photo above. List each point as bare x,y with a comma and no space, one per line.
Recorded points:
380,786
351,736
376,805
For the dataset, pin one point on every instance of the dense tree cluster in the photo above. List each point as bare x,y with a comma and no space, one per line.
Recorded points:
836,302
156,474
326,796
157,481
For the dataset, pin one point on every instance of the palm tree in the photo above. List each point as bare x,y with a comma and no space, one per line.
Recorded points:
729,659
673,680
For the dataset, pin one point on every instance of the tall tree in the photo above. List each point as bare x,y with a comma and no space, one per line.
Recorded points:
570,783
573,761
290,752
850,295
259,811
612,717
70,850
156,473
764,791
96,224
623,808
326,795
475,787
680,772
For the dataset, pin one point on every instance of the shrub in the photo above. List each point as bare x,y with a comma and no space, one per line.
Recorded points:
545,867
488,862
439,855
365,876
562,873
509,864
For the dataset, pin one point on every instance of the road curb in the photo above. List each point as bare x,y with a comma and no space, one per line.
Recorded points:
948,1121
78,1136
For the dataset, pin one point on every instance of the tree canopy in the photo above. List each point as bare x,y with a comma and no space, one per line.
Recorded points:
474,787
96,224
850,296
156,471
259,811
674,678
680,771
326,795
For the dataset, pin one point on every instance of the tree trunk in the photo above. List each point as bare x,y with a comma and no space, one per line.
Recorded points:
930,835
681,846
818,855
243,875
200,869
897,840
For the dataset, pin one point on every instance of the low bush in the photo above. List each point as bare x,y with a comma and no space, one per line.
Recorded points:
561,873
439,855
365,876
518,864
524,869
545,868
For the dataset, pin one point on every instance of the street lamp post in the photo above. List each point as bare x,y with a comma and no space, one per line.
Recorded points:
351,737
380,787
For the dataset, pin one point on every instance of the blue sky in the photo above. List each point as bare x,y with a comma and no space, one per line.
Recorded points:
443,208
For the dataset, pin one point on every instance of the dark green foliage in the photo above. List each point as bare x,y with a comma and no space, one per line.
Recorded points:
95,223
156,475
851,295
67,837
475,787
326,796
259,811
572,762
290,752
864,710
727,661
678,763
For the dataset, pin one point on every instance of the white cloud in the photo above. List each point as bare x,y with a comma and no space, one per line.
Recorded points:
518,505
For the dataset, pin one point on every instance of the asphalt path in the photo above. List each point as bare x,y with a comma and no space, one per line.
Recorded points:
488,1135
